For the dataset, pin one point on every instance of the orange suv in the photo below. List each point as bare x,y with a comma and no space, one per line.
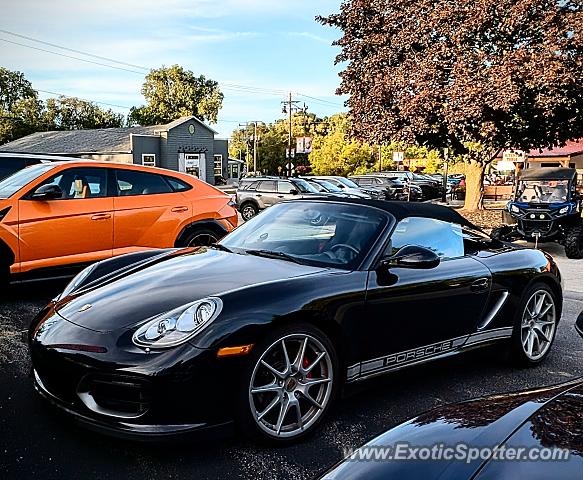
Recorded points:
63,214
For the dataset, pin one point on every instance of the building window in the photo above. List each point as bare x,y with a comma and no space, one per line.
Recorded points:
149,159
218,165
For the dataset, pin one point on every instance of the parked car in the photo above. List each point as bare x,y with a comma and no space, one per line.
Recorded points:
545,421
264,329
55,217
546,207
430,187
12,162
324,186
260,193
348,186
390,188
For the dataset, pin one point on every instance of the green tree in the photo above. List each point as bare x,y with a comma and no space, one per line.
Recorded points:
70,113
334,153
473,75
20,109
173,92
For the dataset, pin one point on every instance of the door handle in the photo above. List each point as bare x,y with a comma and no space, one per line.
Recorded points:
280,196
258,195
179,209
101,216
480,285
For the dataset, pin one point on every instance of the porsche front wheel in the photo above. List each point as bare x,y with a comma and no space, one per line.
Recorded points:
536,325
290,384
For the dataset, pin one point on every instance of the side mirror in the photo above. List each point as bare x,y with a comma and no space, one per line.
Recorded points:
47,192
294,191
412,256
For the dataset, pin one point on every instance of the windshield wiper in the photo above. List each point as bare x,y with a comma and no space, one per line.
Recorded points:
218,246
272,254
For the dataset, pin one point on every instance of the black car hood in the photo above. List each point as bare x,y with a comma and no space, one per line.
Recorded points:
168,284
478,423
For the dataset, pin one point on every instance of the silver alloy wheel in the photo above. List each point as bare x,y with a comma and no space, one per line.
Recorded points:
202,240
248,212
288,396
538,324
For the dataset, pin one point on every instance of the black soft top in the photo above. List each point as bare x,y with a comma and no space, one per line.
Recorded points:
555,173
401,210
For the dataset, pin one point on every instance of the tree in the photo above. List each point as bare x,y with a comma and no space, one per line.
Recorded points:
20,108
476,76
13,88
70,113
172,92
336,154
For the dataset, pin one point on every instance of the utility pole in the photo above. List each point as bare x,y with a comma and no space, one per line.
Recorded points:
255,140
290,106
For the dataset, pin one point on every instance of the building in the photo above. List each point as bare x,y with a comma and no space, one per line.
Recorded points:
571,155
186,145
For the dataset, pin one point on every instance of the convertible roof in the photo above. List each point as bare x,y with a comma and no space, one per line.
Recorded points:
558,173
402,210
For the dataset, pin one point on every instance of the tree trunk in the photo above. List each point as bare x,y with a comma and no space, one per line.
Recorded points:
474,186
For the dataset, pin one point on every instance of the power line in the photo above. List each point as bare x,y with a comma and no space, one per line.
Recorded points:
98,57
225,85
84,99
319,100
70,56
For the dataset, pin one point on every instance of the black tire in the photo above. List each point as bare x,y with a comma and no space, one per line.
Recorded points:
199,237
518,350
574,242
248,211
256,374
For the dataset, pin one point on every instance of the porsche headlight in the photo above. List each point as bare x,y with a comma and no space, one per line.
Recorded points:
78,280
179,325
564,210
514,209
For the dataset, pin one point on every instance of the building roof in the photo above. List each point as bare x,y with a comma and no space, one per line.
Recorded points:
101,140
570,149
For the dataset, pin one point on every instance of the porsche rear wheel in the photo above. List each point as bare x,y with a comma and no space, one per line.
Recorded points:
536,325
290,384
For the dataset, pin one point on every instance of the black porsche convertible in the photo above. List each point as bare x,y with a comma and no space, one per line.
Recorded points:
265,329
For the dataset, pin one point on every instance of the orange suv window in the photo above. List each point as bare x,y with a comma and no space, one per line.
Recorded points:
140,183
77,183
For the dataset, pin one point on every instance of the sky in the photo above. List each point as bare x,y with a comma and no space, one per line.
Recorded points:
256,49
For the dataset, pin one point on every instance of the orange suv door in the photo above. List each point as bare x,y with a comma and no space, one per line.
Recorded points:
148,213
76,228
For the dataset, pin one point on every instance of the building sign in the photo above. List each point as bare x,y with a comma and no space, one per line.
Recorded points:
304,145
514,156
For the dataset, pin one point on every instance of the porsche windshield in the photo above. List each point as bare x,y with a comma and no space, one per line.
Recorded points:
314,233
543,191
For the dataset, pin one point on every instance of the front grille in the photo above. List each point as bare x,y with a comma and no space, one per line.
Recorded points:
542,226
115,395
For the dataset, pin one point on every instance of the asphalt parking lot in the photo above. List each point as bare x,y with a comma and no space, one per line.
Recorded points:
36,442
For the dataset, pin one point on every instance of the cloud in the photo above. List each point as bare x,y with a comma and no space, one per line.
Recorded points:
311,36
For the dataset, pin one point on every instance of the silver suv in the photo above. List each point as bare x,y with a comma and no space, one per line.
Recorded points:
256,194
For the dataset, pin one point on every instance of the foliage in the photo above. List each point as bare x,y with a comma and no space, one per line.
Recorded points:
336,154
173,92
494,73
70,113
